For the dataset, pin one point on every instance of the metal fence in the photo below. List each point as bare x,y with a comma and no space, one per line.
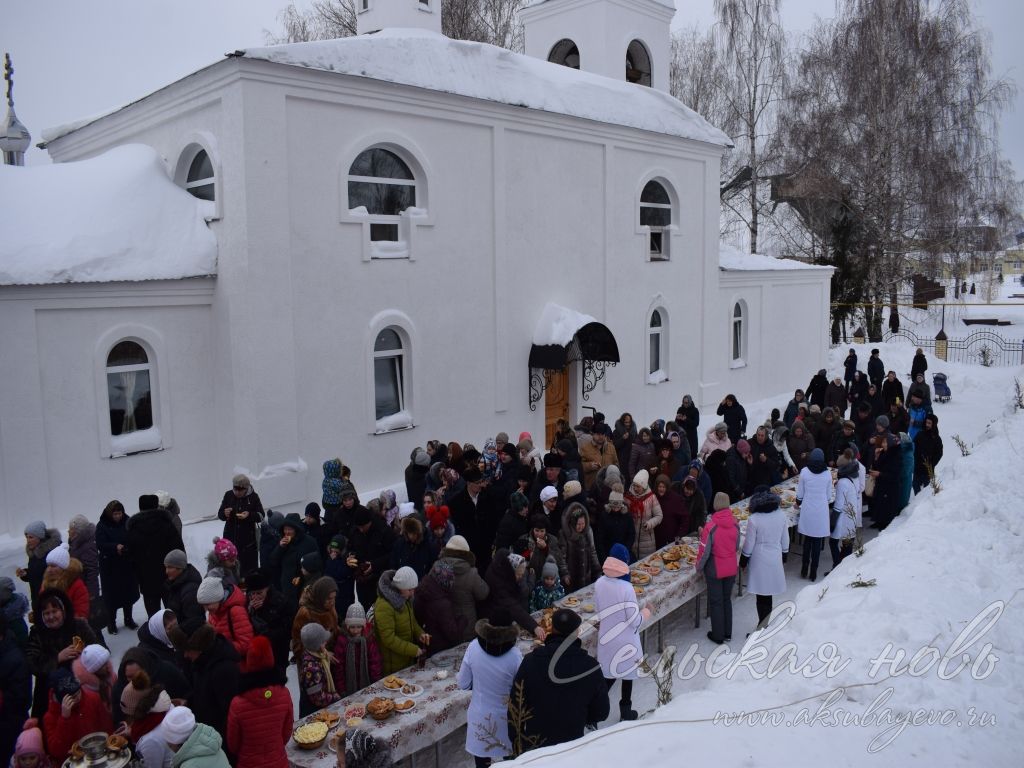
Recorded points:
982,347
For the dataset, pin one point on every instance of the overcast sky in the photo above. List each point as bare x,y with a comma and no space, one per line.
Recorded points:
73,59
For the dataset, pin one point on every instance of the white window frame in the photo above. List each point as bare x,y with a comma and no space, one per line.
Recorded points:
191,146
659,375
409,220
400,323
738,357
667,233
364,5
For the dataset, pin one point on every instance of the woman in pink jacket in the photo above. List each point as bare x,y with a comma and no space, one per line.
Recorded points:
716,558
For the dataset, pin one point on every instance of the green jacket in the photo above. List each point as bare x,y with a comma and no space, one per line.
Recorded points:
396,627
202,750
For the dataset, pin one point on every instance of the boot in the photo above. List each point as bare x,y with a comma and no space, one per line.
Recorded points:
814,575
112,627
803,571
626,712
129,622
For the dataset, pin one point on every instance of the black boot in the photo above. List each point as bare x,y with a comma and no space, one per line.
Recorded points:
626,712
129,622
112,627
803,571
814,575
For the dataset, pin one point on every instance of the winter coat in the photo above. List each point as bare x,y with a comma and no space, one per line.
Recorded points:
201,750
541,597
167,674
689,424
622,441
850,366
581,560
814,494
614,528
373,663
69,581
153,751
214,678
373,547
619,651
16,688
89,716
231,620
398,632
876,370
719,541
45,644
151,535
735,418
792,408
180,597
847,500
286,561
713,443
762,472
270,538
800,446
314,684
647,516
274,620
675,518
332,483
312,610
892,391
419,556
766,540
14,610
260,721
696,511
919,365
117,577
826,430
489,676
815,391
159,649
736,466
835,398
605,456
559,712
36,566
506,597
435,612
469,591
83,549
927,448
416,484
242,533
536,555
906,447
513,526
917,416
641,456
858,389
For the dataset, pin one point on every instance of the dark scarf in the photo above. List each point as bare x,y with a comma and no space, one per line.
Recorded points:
356,653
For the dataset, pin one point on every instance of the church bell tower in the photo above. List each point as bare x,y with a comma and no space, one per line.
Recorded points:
375,15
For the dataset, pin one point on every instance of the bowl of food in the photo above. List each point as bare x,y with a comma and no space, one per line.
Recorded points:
392,682
380,708
356,710
310,735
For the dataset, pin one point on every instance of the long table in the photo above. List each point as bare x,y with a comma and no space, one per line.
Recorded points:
441,708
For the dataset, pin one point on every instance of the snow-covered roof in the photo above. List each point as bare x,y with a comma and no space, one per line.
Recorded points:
668,3
115,217
558,324
732,259
425,59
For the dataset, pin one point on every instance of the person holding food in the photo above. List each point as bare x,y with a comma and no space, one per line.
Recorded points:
646,511
316,673
286,560
73,712
504,579
549,589
261,715
242,512
402,639
488,668
39,541
55,640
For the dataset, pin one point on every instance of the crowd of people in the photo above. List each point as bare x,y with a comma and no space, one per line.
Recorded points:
357,589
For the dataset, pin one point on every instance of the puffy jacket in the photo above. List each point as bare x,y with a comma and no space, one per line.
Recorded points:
712,443
260,721
311,609
435,610
720,539
201,750
231,620
397,629
332,483
800,446
645,522
61,732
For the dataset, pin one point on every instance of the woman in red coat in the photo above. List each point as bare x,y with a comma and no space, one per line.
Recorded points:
261,716
64,572
227,613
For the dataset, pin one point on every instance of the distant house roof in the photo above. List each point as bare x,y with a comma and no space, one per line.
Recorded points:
732,259
115,217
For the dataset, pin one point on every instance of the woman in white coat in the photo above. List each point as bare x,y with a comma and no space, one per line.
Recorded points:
814,495
619,651
488,669
765,547
847,504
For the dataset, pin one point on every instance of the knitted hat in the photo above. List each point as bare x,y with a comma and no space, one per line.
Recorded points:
405,578
178,725
437,517
337,542
240,481
360,749
224,550
421,459
59,556
348,490
443,574
293,521
549,569
36,528
405,509
312,510
548,492
314,636
211,590
642,479
94,657
63,683
612,475
355,616
260,655
176,558
6,589
815,408
572,488
721,501
564,622
140,697
518,502
515,560
616,498
457,544
743,447
882,421
30,742
501,437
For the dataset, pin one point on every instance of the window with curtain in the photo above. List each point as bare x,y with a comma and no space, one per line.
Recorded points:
129,388
382,183
656,213
389,373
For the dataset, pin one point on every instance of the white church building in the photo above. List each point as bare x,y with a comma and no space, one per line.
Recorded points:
346,248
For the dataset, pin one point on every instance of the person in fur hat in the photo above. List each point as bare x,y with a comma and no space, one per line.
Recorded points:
261,715
489,666
64,572
39,542
151,535
356,653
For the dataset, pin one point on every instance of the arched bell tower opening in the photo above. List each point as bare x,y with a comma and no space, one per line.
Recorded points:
638,64
566,53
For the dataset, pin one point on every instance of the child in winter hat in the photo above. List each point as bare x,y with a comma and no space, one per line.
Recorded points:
94,671
178,725
211,591
549,589
29,751
356,652
316,678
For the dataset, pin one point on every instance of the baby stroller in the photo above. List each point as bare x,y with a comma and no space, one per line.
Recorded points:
941,388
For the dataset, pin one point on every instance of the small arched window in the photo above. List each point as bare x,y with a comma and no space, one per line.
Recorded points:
656,214
566,53
638,64
657,363
199,180
383,184
129,388
389,373
739,334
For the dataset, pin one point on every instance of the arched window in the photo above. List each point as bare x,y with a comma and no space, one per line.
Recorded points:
199,180
382,183
389,373
739,333
656,213
565,53
638,64
657,357
129,388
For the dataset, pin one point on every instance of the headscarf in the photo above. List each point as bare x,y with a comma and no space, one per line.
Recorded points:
389,504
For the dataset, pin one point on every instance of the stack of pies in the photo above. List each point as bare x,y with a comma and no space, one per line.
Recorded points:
326,716
380,708
393,683
402,706
640,578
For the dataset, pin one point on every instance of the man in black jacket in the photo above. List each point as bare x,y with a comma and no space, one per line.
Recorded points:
151,535
559,705
180,589
927,452
270,613
876,369
212,666
369,552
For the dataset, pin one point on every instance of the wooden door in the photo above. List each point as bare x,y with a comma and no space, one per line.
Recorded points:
556,403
